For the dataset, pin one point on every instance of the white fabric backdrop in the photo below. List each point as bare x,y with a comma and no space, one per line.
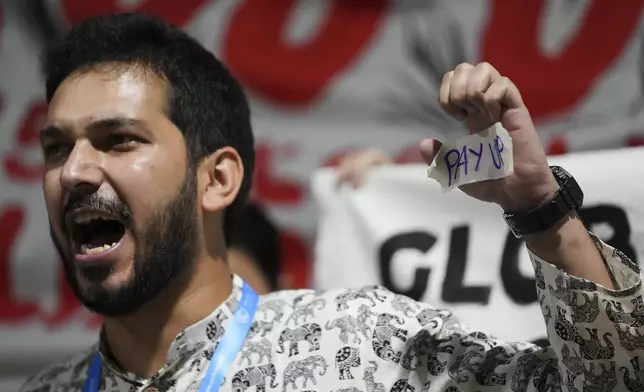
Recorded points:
452,251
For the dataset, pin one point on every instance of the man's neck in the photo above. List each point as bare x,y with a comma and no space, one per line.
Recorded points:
140,341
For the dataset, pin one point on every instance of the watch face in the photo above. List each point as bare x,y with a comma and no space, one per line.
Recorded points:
569,184
560,173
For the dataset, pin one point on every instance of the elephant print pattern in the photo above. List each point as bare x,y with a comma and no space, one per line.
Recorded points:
310,333
372,340
345,359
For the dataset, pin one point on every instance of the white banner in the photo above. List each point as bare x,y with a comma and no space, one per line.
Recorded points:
455,252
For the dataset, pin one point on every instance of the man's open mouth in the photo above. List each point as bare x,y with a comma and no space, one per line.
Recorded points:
95,232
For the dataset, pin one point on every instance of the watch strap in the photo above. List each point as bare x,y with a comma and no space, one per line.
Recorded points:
544,216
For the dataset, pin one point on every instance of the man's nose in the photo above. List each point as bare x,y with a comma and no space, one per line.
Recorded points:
82,171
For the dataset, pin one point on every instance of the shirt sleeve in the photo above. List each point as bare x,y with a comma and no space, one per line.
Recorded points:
596,335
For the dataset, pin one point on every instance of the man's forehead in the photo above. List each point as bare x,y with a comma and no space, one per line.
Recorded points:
104,93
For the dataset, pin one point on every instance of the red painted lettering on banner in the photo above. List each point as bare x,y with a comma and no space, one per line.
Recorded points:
289,74
11,309
269,188
177,13
296,259
635,141
551,85
558,145
15,164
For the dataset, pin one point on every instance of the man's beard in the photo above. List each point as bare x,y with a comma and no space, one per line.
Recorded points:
164,248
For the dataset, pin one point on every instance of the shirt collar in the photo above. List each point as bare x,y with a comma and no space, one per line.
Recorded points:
200,338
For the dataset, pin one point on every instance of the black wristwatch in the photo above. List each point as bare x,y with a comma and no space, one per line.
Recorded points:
568,198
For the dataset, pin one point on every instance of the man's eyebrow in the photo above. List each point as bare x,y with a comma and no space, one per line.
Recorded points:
49,132
103,124
113,123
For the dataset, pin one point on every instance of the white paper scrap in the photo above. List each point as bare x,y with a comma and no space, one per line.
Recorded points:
486,155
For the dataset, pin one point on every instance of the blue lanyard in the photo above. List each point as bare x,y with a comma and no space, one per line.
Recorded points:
229,346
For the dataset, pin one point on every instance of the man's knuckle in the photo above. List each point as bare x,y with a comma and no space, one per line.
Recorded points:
464,67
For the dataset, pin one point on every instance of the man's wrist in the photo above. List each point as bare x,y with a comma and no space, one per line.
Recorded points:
546,244
569,247
532,198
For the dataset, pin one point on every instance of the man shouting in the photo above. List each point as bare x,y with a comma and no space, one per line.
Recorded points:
148,154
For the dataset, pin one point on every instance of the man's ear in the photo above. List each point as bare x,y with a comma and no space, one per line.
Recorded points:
220,175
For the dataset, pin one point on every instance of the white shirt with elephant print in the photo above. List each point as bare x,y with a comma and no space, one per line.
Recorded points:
372,340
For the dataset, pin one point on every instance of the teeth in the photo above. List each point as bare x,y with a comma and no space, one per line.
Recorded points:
89,216
90,250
